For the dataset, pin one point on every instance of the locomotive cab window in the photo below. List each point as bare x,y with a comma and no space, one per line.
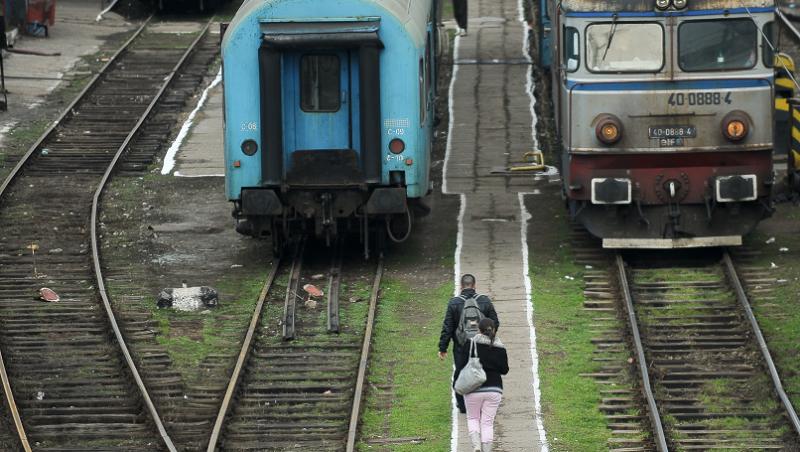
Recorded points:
320,87
625,47
572,49
717,45
768,43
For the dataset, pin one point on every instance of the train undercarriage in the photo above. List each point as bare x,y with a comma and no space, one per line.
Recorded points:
377,215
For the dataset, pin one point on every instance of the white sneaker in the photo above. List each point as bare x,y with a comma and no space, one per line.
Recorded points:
475,438
462,32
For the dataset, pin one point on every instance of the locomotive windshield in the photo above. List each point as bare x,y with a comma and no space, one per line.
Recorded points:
714,45
625,47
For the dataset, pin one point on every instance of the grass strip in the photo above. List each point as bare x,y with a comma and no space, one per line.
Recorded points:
409,393
570,401
776,311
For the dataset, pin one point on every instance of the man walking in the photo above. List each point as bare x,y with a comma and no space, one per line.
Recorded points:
456,326
460,11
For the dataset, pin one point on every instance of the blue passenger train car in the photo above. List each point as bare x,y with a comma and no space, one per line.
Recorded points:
329,109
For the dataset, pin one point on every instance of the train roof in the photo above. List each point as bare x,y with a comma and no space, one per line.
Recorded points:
649,5
413,14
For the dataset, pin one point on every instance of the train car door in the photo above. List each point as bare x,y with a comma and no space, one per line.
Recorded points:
318,101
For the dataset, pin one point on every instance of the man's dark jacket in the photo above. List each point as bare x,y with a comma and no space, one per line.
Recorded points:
453,316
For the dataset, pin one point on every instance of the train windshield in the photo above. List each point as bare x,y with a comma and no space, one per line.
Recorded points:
625,47
715,45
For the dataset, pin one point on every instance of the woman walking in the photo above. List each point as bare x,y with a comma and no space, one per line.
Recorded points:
482,404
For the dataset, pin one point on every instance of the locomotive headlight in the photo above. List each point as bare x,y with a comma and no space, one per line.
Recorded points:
679,4
735,126
662,4
608,129
249,147
397,146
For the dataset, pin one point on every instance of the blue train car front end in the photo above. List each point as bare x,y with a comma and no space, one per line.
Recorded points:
328,114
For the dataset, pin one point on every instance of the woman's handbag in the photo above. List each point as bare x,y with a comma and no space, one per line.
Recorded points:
472,376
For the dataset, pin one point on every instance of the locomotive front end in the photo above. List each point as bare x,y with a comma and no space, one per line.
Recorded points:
666,122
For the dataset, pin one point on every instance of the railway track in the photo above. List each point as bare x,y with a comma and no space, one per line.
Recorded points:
707,379
69,369
187,408
299,378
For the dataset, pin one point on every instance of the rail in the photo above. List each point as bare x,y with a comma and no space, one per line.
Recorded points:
655,418
244,354
334,282
6,381
355,412
68,111
151,408
290,303
733,277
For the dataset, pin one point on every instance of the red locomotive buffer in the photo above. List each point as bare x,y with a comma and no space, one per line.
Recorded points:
671,195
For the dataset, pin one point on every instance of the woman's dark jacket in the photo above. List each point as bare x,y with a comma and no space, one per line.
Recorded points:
494,360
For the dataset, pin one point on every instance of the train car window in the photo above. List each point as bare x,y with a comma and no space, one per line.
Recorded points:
717,45
320,85
625,47
768,44
572,49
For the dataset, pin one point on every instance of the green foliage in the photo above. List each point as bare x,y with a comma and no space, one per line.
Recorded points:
570,401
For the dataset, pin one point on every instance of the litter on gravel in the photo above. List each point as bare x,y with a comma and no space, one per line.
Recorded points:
313,290
49,295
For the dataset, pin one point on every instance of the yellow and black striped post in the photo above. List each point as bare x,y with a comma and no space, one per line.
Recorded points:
793,159
784,90
787,119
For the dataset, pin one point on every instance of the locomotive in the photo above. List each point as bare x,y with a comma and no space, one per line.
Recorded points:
329,110
663,109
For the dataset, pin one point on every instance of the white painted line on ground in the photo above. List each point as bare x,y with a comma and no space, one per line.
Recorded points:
460,236
169,159
456,276
537,394
178,174
456,45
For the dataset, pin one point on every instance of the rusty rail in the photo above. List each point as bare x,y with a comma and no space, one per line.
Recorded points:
647,391
334,282
244,354
151,408
290,304
68,111
12,407
355,413
733,277
6,381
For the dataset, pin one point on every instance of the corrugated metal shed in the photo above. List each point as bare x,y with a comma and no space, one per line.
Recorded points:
649,5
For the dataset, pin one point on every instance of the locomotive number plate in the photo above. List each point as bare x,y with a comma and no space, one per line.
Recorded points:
658,132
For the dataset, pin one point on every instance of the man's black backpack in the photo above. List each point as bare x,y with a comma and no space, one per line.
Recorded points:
471,316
